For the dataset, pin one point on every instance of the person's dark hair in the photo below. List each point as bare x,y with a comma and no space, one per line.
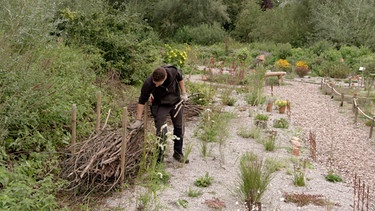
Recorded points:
159,74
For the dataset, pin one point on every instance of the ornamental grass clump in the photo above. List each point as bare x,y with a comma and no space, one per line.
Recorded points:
253,179
302,69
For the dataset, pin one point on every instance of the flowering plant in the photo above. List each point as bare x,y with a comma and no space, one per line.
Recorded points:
282,64
281,103
302,68
175,56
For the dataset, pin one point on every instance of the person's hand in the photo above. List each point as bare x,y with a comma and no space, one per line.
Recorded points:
135,125
184,96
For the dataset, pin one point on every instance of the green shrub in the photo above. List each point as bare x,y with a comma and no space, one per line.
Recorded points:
203,34
283,50
336,71
124,42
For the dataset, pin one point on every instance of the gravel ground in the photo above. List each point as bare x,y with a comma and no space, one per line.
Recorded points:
341,146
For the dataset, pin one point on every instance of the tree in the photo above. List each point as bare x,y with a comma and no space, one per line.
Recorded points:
344,22
167,16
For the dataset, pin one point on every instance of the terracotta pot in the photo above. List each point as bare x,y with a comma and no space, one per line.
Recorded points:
269,107
282,109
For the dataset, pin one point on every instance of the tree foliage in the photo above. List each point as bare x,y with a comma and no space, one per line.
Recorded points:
122,39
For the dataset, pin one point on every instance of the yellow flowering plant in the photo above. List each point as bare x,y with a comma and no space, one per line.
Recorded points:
302,69
175,57
281,103
282,64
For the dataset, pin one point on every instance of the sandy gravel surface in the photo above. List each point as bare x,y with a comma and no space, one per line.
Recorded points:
341,146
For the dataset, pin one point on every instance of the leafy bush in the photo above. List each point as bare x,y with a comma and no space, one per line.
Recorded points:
123,41
302,69
204,34
283,50
336,71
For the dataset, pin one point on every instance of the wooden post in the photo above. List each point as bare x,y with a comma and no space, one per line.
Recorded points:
145,117
355,113
124,142
271,90
74,127
342,99
321,84
98,105
372,126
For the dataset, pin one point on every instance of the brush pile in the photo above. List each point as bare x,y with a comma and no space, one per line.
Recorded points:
96,164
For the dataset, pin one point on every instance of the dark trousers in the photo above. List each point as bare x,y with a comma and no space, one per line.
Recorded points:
160,114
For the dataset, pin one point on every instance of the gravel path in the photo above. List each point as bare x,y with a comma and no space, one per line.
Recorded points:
341,146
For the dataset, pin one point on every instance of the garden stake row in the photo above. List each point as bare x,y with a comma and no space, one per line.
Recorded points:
361,195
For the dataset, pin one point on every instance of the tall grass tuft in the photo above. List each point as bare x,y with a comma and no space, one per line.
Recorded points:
254,179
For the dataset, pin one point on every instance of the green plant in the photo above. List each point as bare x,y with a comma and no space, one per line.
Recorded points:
282,65
274,164
201,94
249,132
182,202
226,97
269,143
212,128
175,56
253,179
299,173
261,117
194,193
204,181
368,123
281,123
302,69
332,177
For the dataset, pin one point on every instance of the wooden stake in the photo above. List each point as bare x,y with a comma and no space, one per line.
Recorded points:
98,105
145,116
74,127
123,143
372,126
342,99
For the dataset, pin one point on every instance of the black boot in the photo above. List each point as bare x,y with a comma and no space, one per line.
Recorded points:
178,155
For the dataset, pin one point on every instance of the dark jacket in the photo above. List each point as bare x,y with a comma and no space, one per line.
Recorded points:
166,94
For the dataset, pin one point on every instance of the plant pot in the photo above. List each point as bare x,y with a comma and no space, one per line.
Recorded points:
282,109
269,107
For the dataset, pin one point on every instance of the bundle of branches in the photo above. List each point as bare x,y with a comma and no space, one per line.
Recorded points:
95,167
190,110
